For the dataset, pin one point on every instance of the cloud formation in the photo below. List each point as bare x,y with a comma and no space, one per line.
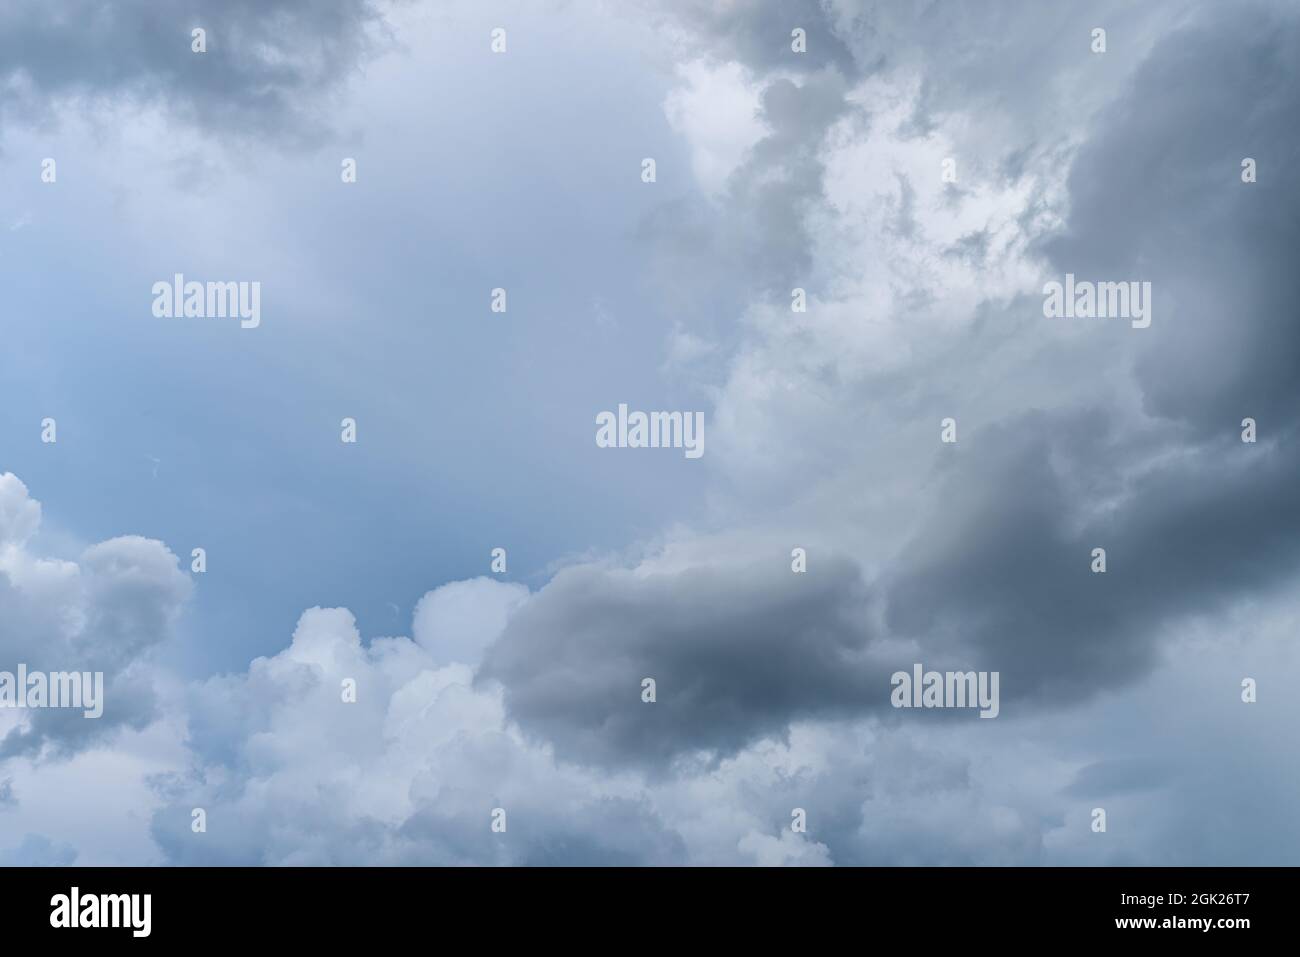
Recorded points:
266,64
107,612
820,172
736,653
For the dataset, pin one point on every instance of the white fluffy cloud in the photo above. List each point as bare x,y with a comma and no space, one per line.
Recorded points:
716,109
457,622
290,773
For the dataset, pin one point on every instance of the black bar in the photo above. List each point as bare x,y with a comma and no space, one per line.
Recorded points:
672,906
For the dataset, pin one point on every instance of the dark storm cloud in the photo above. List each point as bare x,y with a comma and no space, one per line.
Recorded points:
1000,578
267,61
1003,572
735,652
1157,195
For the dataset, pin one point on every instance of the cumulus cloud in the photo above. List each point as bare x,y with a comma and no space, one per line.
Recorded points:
289,772
457,622
106,612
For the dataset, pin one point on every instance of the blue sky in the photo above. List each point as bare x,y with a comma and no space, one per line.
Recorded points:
474,426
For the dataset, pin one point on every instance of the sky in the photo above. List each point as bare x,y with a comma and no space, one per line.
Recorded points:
919,171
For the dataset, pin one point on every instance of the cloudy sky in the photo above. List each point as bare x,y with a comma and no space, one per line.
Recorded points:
822,170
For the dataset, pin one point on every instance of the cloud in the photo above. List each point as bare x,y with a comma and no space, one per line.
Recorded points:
718,112
823,172
457,622
1191,517
288,772
758,34
106,612
268,62
736,653
771,686
1157,194
926,304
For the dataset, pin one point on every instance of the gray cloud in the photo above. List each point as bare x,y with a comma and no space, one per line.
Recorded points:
268,63
1003,572
757,240
998,576
758,33
106,613
736,652
435,748
1156,194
